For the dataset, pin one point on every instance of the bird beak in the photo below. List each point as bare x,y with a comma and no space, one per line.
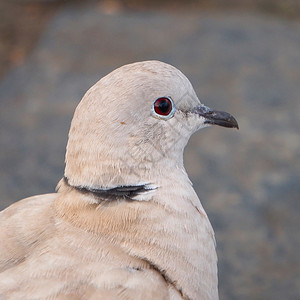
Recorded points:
214,117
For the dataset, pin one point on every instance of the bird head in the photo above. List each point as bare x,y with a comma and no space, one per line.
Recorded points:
133,121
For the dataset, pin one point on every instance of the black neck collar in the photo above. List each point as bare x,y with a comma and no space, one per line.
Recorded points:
127,192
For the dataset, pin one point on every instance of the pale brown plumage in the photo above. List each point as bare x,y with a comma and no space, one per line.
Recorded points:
75,244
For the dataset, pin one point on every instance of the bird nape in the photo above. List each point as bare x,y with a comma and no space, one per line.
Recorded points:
125,222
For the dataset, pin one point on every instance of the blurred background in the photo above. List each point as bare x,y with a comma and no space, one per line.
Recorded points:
242,56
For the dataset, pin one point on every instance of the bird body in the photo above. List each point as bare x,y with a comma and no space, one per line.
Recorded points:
125,222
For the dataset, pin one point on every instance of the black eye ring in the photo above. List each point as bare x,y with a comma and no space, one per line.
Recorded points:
163,108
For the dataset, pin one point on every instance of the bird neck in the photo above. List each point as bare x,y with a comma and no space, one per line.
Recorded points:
170,231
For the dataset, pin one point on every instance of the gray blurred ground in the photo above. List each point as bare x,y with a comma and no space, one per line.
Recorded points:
247,180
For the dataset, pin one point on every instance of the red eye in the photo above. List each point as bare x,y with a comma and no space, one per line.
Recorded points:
163,106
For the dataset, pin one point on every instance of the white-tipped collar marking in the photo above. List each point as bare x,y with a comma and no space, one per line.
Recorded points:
139,192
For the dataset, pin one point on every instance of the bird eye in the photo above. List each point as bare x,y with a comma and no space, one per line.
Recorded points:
163,107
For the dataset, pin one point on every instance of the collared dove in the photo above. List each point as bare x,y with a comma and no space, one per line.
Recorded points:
125,222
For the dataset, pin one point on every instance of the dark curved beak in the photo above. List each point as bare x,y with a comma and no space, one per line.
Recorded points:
214,117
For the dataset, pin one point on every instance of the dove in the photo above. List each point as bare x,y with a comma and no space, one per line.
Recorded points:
125,221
